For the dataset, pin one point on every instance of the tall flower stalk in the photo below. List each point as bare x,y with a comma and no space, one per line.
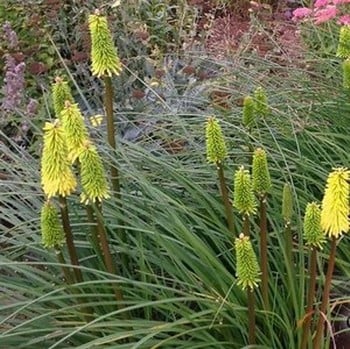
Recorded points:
314,239
247,265
216,154
248,278
334,222
104,64
287,213
261,186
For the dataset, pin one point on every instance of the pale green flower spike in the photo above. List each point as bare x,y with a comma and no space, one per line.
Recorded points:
313,234
343,50
247,267
104,57
335,204
249,115
74,129
261,103
60,94
56,174
260,173
346,73
216,147
52,234
92,173
287,203
243,196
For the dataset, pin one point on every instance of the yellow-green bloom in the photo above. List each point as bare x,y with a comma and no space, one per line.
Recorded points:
261,103
60,94
74,129
216,147
249,115
335,204
92,173
243,198
346,73
104,57
343,50
247,268
260,173
56,174
51,230
313,234
287,203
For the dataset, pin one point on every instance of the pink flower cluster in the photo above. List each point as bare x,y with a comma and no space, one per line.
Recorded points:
324,11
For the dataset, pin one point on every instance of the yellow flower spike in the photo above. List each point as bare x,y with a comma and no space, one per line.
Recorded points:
343,49
51,230
313,233
260,173
261,103
60,94
243,198
249,115
93,178
74,129
104,57
346,73
287,203
216,147
247,267
335,204
56,175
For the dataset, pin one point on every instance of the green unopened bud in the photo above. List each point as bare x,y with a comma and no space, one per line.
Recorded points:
261,103
104,58
313,234
248,270
249,115
260,173
343,50
74,128
51,229
287,203
216,147
243,198
93,177
60,94
346,74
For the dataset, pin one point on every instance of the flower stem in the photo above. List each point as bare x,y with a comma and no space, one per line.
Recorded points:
66,271
310,298
246,225
110,265
108,100
251,315
289,246
111,134
325,297
69,239
225,198
263,253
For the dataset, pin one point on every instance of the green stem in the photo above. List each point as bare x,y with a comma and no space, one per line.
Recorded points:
251,316
325,297
69,239
225,198
310,298
246,225
263,253
289,246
